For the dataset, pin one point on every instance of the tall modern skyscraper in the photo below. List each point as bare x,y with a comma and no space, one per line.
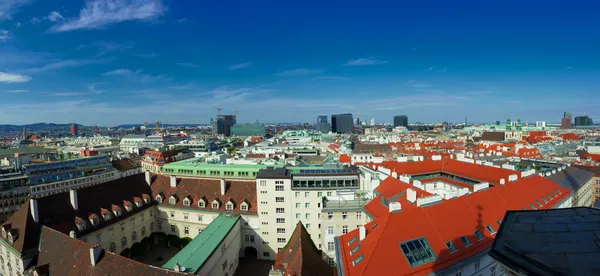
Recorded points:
583,121
400,120
566,122
74,130
322,119
223,124
342,123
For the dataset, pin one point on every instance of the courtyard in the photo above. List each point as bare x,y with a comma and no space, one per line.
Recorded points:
158,255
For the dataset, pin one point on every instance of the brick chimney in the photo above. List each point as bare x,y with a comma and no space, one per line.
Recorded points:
223,186
173,181
95,253
362,232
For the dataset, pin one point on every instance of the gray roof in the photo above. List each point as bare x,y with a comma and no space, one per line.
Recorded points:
550,242
571,178
276,173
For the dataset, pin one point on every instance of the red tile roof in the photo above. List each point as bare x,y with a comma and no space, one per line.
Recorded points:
441,223
345,158
569,136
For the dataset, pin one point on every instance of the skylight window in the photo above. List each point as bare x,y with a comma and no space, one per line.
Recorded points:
417,252
554,193
353,250
465,241
490,229
357,260
352,241
451,247
544,200
549,196
499,222
532,207
559,191
478,235
538,203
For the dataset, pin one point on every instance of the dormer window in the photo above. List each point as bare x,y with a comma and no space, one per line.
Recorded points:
12,235
172,200
201,203
138,202
215,204
94,220
146,198
117,211
187,202
3,232
244,206
128,207
159,199
106,216
229,206
80,224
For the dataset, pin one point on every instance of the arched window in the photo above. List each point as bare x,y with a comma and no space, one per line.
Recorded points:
201,203
229,206
186,202
124,242
158,198
112,247
215,205
144,231
134,236
172,200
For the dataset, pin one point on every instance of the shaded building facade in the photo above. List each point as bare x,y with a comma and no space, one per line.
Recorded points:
342,123
400,120
223,125
583,121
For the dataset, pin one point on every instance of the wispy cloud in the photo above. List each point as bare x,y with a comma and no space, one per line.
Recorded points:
17,91
55,16
298,72
485,92
137,75
13,78
437,69
35,20
188,64
98,14
4,36
330,78
94,90
430,90
417,84
180,87
240,66
10,7
365,61
105,47
568,68
182,20
66,94
66,64
150,55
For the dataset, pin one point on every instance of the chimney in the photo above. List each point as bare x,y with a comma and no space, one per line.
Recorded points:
411,195
33,205
72,234
148,178
74,201
395,207
362,232
394,174
502,181
95,254
223,186
173,181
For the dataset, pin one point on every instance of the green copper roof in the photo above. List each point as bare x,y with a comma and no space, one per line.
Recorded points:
26,150
197,252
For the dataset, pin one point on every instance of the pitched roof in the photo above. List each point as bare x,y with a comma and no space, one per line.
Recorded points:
301,257
572,178
26,229
438,224
124,164
78,261
209,190
57,212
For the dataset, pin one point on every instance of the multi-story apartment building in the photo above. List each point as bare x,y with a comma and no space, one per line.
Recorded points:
288,195
338,218
595,181
13,192
154,160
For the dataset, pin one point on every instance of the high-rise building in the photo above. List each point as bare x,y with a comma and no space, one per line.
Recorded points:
566,122
223,124
583,121
252,129
372,121
342,123
322,119
74,130
400,120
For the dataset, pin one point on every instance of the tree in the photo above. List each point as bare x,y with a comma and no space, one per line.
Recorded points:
185,241
69,155
125,252
137,249
61,155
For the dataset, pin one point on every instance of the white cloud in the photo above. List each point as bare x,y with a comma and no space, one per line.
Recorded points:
17,91
182,20
98,14
189,64
18,24
330,78
486,92
298,72
13,78
180,87
151,55
136,75
365,61
105,47
35,20
93,89
417,84
66,64
10,7
437,69
55,16
66,94
4,36
240,66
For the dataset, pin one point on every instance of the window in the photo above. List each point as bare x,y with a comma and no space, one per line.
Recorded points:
465,241
201,204
458,273
123,242
353,250
358,215
215,205
306,194
417,252
186,230
298,215
173,229
229,206
308,226
345,229
280,220
330,230
298,205
172,200
307,215
110,232
263,183
357,260
158,198
538,203
532,207
329,193
330,216
330,246
252,238
451,247
281,240
297,194
493,271
279,210
280,230
172,214
478,235
247,238
477,265
319,194
186,202
144,230
186,216
266,254
112,247
490,229
199,217
279,188
345,215
499,222
307,205
244,206
278,199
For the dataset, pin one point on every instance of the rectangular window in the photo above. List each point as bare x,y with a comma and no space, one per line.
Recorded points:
298,205
329,193
298,215
345,215
281,240
330,230
451,247
186,216
307,215
173,229
199,217
279,199
306,194
465,241
330,246
477,265
490,229
263,183
280,220
252,238
297,194
330,216
307,205
345,229
279,188
186,230
266,254
478,235
417,252
358,215
319,194
279,210
308,226
247,238
280,230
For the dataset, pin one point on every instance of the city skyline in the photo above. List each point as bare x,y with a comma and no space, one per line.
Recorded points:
151,60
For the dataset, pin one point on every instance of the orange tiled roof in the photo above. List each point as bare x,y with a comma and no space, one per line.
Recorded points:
345,158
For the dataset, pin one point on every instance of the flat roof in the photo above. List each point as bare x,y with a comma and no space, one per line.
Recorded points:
344,205
550,242
193,256
26,150
274,173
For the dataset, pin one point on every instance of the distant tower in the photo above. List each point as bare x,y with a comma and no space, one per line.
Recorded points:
508,125
24,133
74,130
466,121
518,126
96,130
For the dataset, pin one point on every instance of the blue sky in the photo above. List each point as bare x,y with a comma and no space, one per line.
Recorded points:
123,61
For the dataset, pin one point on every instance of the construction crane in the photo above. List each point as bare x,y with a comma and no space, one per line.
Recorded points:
218,107
235,114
